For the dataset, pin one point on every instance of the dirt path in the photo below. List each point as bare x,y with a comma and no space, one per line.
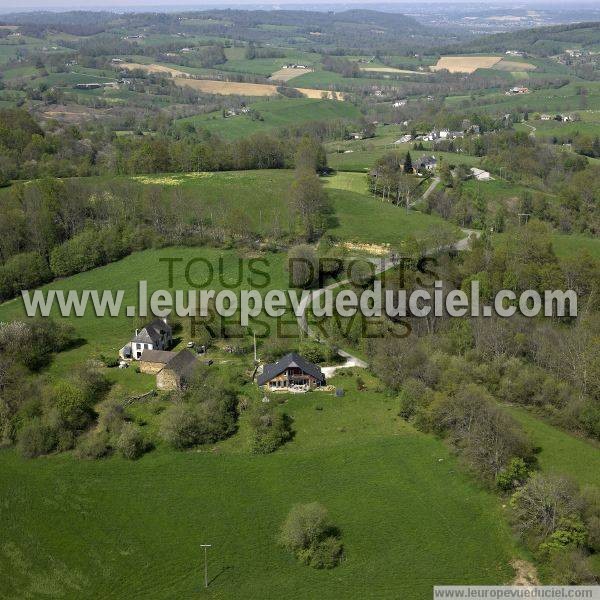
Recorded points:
533,129
525,573
381,265
430,189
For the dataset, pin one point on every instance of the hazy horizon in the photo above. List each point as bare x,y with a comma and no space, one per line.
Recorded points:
177,5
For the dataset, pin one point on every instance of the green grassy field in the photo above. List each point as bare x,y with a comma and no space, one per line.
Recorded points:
549,129
365,219
409,517
326,79
573,244
108,335
276,114
258,200
499,190
565,98
561,452
236,61
255,199
566,245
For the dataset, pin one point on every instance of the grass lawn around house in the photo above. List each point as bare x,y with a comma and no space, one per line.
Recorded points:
106,335
409,517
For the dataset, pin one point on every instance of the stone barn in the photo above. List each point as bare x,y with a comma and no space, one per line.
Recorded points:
176,373
153,361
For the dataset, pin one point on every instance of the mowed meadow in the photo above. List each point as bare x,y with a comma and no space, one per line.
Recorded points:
107,335
257,201
409,516
273,114
74,528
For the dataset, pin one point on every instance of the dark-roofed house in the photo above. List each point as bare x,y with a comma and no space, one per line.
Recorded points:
152,361
291,371
176,374
425,163
156,335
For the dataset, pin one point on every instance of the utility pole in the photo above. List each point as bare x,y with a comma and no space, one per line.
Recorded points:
206,547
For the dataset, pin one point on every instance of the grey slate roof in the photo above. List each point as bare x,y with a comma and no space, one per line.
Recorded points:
182,362
157,356
151,332
146,335
159,325
290,360
424,161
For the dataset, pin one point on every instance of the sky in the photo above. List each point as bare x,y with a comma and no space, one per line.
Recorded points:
166,5
104,4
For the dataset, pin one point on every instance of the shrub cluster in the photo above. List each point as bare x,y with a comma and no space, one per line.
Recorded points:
205,413
270,429
561,524
310,536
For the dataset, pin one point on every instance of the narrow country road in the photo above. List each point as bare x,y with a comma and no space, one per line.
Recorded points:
533,129
430,189
382,265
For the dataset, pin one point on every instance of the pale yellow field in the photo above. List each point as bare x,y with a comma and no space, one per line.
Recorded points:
514,65
287,74
466,64
154,68
227,88
312,93
391,70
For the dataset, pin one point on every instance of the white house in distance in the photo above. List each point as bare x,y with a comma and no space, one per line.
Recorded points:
155,335
425,163
480,174
404,139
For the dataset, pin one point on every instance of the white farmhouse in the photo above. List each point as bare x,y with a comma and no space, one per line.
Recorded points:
156,335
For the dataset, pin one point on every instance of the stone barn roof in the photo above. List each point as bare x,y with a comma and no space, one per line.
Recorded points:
182,362
157,356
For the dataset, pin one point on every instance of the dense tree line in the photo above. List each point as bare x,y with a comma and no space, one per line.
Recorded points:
55,228
549,364
343,66
27,151
564,187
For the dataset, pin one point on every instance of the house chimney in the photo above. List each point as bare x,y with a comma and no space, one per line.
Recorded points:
136,332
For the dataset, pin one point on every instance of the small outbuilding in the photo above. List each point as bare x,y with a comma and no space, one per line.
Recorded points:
177,372
153,361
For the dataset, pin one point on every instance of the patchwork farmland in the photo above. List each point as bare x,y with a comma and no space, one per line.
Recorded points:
302,153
